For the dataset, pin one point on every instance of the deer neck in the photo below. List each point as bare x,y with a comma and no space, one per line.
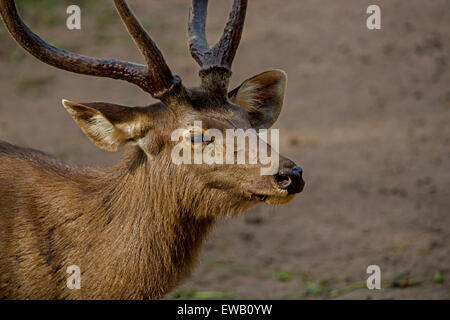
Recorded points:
148,223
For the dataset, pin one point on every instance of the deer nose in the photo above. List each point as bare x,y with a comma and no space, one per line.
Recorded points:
290,180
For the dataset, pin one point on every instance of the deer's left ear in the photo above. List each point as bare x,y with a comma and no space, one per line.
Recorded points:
109,126
262,97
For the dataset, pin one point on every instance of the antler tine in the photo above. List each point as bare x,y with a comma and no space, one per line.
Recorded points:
159,72
221,55
229,42
198,44
134,73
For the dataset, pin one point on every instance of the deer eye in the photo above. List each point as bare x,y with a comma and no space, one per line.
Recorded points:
198,138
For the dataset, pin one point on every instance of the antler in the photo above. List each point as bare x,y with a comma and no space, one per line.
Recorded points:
221,55
156,78
158,71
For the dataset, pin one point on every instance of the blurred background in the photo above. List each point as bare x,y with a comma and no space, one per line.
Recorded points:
367,116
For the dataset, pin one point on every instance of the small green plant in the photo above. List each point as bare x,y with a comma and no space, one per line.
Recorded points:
314,288
192,294
404,279
283,276
349,288
438,278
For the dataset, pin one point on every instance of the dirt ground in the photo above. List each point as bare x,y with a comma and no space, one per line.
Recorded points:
367,116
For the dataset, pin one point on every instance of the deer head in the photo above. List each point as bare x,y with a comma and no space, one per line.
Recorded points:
256,103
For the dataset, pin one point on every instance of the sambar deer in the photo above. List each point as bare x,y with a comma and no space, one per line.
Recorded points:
134,229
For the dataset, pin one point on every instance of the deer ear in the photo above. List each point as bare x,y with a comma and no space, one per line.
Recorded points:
110,126
262,97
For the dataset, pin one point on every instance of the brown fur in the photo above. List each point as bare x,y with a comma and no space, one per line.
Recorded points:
134,230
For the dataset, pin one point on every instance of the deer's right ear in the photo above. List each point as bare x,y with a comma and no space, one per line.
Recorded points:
110,126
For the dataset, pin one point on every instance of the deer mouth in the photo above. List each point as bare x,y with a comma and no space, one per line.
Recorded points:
279,200
273,199
259,197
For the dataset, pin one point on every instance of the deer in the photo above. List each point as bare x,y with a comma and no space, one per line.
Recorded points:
134,229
